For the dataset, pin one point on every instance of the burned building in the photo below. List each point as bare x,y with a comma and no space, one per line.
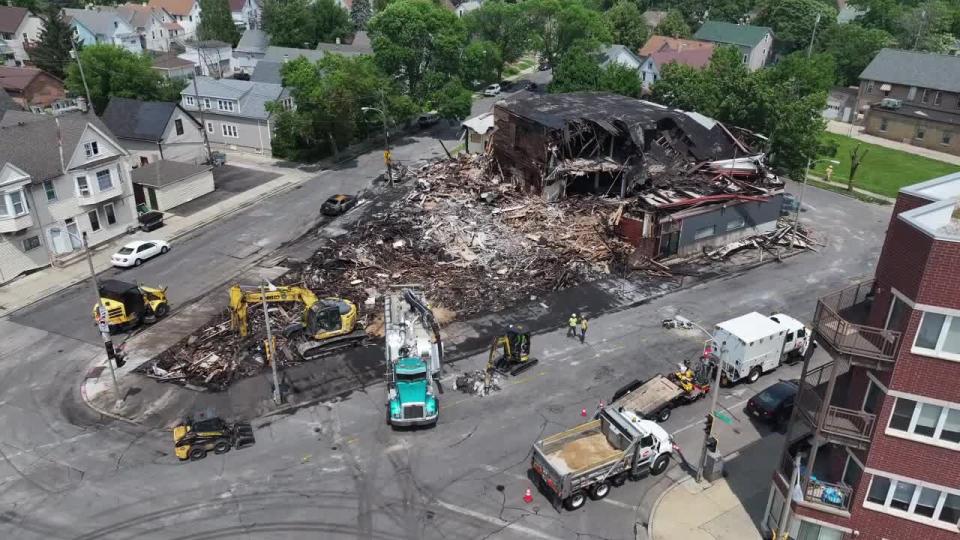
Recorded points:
692,184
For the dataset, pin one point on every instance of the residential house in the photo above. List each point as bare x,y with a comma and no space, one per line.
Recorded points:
847,13
659,51
467,7
103,25
841,104
664,43
754,42
912,97
18,29
172,66
31,88
653,18
359,44
249,50
164,184
155,130
51,194
876,430
210,58
267,68
234,111
186,13
644,66
245,13
478,131
154,26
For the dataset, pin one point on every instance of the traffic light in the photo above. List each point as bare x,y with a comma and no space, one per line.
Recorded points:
708,425
711,444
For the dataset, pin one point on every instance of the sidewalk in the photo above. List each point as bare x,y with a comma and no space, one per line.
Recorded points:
861,191
729,509
38,285
856,132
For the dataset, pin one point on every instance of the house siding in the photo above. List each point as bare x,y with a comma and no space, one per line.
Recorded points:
758,217
188,148
759,55
185,190
897,127
14,260
253,135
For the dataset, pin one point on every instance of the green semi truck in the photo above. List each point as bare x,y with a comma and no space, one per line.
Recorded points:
414,357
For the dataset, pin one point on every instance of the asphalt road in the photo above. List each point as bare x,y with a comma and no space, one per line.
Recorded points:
336,470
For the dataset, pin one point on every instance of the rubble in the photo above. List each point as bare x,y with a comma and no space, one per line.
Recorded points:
476,382
785,236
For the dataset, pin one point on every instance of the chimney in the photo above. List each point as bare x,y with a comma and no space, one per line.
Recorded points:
82,104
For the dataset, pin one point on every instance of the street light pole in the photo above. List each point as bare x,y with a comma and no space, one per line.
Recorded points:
715,390
386,139
271,357
803,190
76,54
813,35
103,321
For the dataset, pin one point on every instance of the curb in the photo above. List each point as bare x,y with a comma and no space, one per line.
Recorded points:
656,504
86,400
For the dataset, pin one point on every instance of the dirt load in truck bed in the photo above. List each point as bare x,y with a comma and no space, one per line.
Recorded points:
581,453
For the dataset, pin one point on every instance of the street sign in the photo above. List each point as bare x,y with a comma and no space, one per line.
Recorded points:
723,417
103,322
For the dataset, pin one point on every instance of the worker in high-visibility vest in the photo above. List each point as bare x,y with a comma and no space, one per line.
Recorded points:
583,329
572,325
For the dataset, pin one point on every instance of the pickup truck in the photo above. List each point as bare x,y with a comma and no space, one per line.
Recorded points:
590,458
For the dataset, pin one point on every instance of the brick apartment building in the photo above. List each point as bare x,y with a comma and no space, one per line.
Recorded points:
878,427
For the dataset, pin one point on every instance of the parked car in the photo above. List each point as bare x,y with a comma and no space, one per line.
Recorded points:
789,205
774,404
338,204
526,85
492,90
507,86
134,253
428,119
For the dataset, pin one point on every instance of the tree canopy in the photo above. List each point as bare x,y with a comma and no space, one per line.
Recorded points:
52,53
558,25
217,22
305,23
330,21
626,24
853,47
360,13
114,71
793,21
505,25
673,25
579,70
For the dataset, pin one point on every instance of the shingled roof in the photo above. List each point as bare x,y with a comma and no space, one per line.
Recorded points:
28,140
140,120
911,68
736,34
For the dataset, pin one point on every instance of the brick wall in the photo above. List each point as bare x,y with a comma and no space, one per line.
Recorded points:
904,256
873,525
941,278
898,127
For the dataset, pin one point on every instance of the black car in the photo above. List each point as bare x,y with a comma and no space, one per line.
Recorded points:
506,86
338,204
774,404
428,119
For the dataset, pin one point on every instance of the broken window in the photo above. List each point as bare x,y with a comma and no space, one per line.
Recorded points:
705,232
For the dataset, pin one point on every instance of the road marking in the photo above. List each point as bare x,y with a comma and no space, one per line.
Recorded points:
496,521
619,504
491,468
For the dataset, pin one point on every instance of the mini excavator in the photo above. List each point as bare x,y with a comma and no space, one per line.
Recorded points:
515,358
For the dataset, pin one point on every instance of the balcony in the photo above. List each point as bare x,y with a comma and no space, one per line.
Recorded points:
842,425
11,224
834,495
838,323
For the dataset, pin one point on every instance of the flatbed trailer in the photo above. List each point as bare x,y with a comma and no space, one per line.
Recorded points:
655,398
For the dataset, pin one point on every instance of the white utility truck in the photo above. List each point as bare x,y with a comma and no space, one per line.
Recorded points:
753,344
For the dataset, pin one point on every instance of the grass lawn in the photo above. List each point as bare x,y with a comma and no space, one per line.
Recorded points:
518,66
882,170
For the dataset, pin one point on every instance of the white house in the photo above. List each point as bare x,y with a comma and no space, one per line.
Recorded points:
166,184
151,24
246,13
18,28
235,112
51,194
103,25
184,12
210,58
151,131
645,66
250,49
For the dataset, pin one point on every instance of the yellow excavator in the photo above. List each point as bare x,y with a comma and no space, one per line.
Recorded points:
515,358
327,324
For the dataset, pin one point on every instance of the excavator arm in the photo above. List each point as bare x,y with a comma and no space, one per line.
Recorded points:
241,299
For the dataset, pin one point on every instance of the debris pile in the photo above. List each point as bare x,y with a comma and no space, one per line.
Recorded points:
476,382
784,236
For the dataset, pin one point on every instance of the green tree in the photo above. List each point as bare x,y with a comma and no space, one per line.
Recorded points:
217,22
451,100
114,71
330,21
853,46
627,26
793,21
578,70
505,25
878,14
360,13
557,26
805,75
52,53
927,26
481,62
673,25
289,23
620,79
415,39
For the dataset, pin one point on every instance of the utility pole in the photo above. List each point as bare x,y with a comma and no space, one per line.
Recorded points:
386,137
196,96
715,390
83,78
103,321
813,35
271,357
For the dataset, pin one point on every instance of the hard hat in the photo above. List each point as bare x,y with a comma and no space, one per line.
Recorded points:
574,315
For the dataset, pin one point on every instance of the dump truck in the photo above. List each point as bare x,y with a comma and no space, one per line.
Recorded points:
587,460
414,356
750,345
655,398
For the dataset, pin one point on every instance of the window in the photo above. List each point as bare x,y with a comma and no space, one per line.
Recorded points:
945,138
17,204
746,59
94,220
902,414
191,18
91,148
189,100
939,335
950,431
883,124
738,223
936,98
705,232
224,105
814,531
31,243
852,472
912,93
902,495
110,214
83,188
921,132
49,190
3,206
950,512
104,180
869,87
178,124
209,127
206,103
229,130
287,104
878,490
898,312
924,97
925,503
873,398
926,420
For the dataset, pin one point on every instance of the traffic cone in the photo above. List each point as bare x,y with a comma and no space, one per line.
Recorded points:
583,413
528,496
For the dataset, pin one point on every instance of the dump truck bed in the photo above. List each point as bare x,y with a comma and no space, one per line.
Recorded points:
650,396
567,459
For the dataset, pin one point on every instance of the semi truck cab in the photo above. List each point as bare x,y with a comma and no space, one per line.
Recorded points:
411,395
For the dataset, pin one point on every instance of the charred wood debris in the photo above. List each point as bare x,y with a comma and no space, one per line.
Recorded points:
470,239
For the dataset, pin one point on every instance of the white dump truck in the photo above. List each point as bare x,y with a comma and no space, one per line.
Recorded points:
753,344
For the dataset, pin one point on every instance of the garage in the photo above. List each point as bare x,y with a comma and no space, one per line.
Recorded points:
163,185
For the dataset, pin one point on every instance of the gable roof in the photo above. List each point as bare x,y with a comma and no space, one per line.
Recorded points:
174,7
16,79
611,52
662,43
7,103
736,34
139,15
141,120
267,71
99,20
910,68
253,40
11,17
165,172
697,58
237,5
251,96
25,140
171,61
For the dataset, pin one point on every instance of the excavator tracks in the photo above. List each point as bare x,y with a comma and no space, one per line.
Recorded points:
311,350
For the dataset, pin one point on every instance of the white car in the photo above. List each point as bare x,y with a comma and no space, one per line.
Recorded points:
134,253
492,90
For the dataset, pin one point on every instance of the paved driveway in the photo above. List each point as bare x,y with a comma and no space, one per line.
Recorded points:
229,180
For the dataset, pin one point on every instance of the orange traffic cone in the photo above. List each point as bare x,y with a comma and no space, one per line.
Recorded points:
528,496
583,413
